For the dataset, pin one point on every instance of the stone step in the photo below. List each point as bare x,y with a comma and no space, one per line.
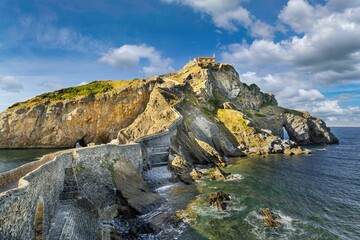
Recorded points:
153,150
159,157
160,164
68,195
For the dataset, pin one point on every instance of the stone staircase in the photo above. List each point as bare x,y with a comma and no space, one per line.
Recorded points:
76,218
70,190
158,156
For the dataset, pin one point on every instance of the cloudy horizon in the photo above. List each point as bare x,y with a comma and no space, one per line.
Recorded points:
307,53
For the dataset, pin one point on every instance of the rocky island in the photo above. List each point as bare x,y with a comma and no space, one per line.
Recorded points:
201,114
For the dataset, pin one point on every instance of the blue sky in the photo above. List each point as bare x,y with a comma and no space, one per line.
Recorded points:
305,52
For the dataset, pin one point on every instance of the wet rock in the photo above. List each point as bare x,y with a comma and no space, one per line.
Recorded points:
271,219
219,174
130,184
294,151
219,200
184,170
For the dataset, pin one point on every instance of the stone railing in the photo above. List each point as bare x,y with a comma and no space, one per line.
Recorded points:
42,187
17,173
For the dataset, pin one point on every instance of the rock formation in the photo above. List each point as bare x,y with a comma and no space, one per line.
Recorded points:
270,219
220,116
219,200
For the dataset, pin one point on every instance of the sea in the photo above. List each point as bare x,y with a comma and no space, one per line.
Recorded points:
317,196
13,158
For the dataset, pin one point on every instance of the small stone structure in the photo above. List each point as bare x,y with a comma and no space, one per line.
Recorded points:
205,59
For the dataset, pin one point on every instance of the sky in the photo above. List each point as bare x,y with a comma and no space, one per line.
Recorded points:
307,53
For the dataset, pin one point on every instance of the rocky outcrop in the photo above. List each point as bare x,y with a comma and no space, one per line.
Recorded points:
221,115
157,117
219,174
133,189
219,200
304,129
270,219
184,170
48,122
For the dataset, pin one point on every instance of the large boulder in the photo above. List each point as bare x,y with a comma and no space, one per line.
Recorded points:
219,200
304,129
184,170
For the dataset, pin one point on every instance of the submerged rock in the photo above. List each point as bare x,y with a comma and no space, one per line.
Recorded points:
219,200
271,219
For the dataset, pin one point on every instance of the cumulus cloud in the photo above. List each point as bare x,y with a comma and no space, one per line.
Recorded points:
10,84
128,57
289,91
328,51
229,15
299,15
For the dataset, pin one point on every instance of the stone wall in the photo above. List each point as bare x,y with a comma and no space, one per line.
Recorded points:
18,206
93,169
17,173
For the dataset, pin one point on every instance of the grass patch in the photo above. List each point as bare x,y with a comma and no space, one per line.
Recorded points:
260,115
95,88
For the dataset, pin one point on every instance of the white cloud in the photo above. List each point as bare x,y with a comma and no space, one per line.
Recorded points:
328,52
297,94
299,15
128,57
82,83
289,91
10,84
229,15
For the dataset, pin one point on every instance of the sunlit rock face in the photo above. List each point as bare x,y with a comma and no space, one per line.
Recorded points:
201,94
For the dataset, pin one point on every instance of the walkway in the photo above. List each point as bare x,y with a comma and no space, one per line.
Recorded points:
76,218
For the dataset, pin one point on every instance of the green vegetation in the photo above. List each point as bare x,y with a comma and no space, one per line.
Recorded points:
260,114
95,88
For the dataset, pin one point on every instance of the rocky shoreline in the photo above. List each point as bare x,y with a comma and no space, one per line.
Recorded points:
200,115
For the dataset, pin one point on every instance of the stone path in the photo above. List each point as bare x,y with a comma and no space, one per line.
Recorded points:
158,156
76,218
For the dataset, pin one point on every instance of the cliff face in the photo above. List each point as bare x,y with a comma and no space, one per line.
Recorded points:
48,122
221,115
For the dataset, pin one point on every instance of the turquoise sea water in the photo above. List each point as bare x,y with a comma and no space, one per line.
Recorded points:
12,158
317,196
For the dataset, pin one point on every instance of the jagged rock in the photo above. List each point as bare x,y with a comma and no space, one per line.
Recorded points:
296,151
219,200
304,129
229,105
128,110
129,183
271,219
56,120
184,170
211,153
157,117
219,174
